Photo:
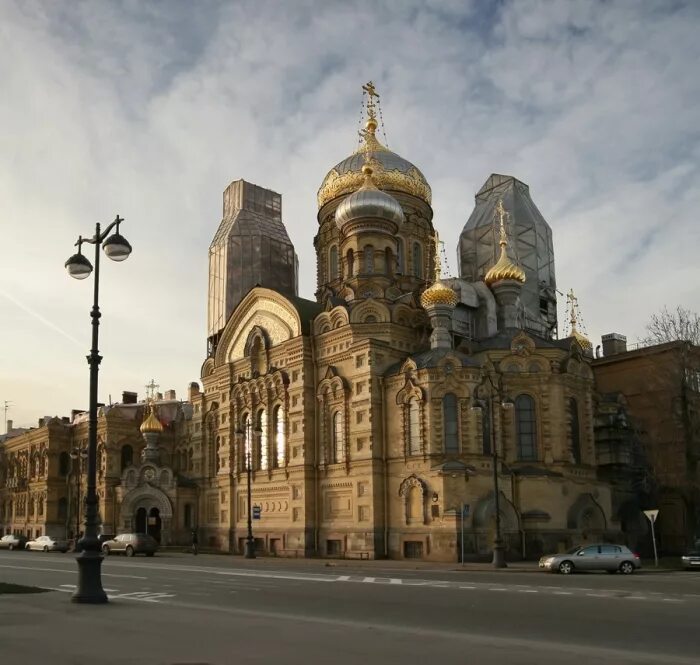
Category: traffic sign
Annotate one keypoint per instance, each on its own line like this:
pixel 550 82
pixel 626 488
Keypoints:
pixel 256 512
pixel 651 515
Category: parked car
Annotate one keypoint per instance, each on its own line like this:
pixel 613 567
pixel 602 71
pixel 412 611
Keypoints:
pixel 604 556
pixel 12 542
pixel 47 544
pixel 691 560
pixel 130 544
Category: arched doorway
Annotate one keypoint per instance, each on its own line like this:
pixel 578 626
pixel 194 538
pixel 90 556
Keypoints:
pixel 154 523
pixel 140 520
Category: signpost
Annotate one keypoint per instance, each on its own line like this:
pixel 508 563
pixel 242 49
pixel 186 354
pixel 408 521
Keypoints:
pixel 256 512
pixel 651 516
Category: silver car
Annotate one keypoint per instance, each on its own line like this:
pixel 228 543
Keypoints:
pixel 604 556
pixel 691 560
pixel 47 544
pixel 12 542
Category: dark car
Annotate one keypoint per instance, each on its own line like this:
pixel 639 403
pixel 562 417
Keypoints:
pixel 691 560
pixel 131 544
pixel 12 542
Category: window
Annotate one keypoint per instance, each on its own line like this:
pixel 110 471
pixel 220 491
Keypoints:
pixel 413 426
pixel 350 262
pixel 388 262
pixel 338 447
pixel 525 427
pixel 399 256
pixel 247 448
pixel 610 549
pixel 62 508
pixel 575 431
pixel 278 454
pixel 63 464
pixel 333 263
pixel 263 458
pixel 417 261
pixel 127 456
pixel 449 423
pixel 369 259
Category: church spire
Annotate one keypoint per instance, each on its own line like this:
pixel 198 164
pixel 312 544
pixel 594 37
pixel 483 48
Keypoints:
pixel 504 267
pixel 574 317
pixel 371 106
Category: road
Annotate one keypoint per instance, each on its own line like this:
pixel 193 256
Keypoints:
pixel 178 608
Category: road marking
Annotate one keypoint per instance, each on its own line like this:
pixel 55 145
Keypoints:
pixel 70 571
pixel 498 589
pixel 528 591
pixel 369 580
pixel 563 593
pixel 467 587
pixel 344 578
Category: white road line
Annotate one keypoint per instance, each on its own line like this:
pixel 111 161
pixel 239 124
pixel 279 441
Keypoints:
pixel 369 580
pixel 528 591
pixel 344 578
pixel 497 589
pixel 563 593
pixel 467 587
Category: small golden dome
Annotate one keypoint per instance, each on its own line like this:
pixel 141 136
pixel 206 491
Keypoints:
pixel 438 294
pixel 583 341
pixel 151 425
pixel 572 304
pixel 504 267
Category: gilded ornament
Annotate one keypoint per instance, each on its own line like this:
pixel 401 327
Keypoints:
pixel 504 268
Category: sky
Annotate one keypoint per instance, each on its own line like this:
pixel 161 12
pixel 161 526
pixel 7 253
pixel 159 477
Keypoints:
pixel 150 109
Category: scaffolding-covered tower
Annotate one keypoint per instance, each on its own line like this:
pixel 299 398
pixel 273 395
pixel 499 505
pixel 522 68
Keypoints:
pixel 251 248
pixel 531 246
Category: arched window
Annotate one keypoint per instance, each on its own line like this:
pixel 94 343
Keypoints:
pixel 449 423
pixel 399 256
pixel 575 431
pixel 127 456
pixel 333 263
pixel 338 443
pixel 389 266
pixel 351 263
pixel 63 464
pixel 263 455
pixel 247 447
pixel 369 259
pixel 417 260
pixel 278 453
pixel 190 465
pixel 413 426
pixel 526 427
pixel 218 456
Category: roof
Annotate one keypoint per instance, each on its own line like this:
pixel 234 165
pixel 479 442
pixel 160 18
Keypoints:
pixel 432 358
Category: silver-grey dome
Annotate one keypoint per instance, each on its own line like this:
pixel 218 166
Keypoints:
pixel 369 203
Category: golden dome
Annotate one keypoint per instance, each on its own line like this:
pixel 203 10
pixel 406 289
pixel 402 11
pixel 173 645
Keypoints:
pixel 504 267
pixel 151 425
pixel 572 303
pixel 391 172
pixel 438 293
pixel 583 341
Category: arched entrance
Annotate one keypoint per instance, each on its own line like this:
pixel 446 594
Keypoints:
pixel 147 509
pixel 154 523
pixel 140 520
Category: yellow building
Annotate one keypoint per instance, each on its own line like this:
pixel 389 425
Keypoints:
pixel 376 420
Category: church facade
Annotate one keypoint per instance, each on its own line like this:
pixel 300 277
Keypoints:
pixel 398 414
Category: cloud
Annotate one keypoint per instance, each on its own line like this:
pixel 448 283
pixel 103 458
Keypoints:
pixel 151 109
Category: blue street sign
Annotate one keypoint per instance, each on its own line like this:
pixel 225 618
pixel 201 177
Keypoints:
pixel 465 510
pixel 256 512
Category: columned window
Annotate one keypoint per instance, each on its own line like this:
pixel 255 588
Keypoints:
pixel 413 426
pixel 248 447
pixel 127 456
pixel 575 431
pixel 526 427
pixel 399 256
pixel 351 263
pixel 262 452
pixel 338 443
pixel 449 423
pixel 279 448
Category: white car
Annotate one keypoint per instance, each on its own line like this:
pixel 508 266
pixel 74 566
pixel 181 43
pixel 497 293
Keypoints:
pixel 47 544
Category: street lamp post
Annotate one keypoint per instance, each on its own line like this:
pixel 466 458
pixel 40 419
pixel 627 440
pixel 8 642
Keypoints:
pixel 499 559
pixel 78 455
pixel 117 248
pixel 249 549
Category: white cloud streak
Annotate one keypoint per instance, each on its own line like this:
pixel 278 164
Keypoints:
pixel 151 109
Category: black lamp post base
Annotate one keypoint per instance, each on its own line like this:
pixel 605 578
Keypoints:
pixel 499 556
pixel 89 580
pixel 249 550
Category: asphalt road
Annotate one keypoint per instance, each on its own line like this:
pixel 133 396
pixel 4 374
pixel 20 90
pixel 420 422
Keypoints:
pixel 177 608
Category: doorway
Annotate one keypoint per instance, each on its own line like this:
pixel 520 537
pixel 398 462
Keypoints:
pixel 140 521
pixel 154 524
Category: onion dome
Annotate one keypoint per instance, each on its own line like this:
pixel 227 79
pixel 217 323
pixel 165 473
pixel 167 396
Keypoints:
pixel 583 341
pixel 504 267
pixel 369 202
pixel 392 172
pixel 438 293
pixel 151 425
